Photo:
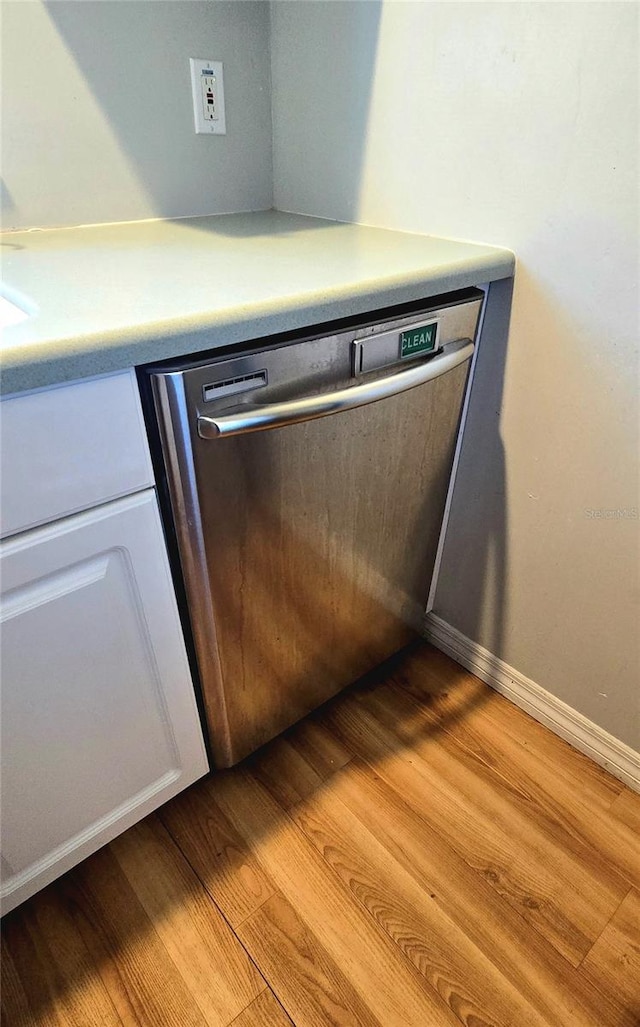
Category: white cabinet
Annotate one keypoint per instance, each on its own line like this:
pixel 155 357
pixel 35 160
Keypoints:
pixel 99 719
pixel 71 447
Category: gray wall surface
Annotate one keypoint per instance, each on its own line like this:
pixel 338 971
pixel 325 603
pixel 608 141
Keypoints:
pixel 512 124
pixel 97 119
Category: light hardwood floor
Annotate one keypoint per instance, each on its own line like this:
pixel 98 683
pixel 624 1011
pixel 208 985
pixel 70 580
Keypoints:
pixel 418 853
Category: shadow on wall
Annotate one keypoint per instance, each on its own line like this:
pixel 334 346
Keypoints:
pixel 134 58
pixel 6 199
pixel 114 138
pixel 335 151
pixel 118 49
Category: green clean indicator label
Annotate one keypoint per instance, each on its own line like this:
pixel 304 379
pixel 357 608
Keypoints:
pixel 419 340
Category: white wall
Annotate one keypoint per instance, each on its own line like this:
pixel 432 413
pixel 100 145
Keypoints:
pixel 514 124
pixel 97 121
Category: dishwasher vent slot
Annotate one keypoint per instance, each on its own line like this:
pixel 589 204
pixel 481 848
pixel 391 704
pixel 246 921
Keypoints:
pixel 232 386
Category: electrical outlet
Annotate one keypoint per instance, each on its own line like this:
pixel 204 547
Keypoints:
pixel 207 87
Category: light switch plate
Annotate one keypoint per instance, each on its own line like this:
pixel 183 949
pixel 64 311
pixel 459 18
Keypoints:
pixel 207 89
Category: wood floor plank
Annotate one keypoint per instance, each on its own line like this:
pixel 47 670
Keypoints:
pixel 213 965
pixel 626 810
pixel 557 890
pixel 320 748
pixel 546 981
pixel 215 850
pixel 614 961
pixel 536 781
pixel 418 852
pixel 430 675
pixel 14 1003
pixel 293 766
pixel 264 1011
pixel 130 957
pixel 460 972
pixel 308 983
pixel 284 772
pixel 48 975
pixel 392 989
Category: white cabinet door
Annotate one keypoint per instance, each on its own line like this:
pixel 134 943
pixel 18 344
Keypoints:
pixel 99 720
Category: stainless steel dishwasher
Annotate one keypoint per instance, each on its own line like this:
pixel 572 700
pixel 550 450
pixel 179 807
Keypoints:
pixel 306 484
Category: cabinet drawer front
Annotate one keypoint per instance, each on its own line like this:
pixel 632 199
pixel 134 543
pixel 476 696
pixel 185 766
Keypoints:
pixel 99 724
pixel 70 448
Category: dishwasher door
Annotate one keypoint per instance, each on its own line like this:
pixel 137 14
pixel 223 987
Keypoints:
pixel 307 550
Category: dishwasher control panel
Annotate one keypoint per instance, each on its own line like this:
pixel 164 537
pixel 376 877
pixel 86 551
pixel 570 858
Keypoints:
pixel 409 339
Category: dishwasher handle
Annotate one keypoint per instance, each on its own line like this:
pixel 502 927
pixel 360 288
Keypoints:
pixel 276 415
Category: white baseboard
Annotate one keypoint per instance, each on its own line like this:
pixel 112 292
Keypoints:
pixel 616 757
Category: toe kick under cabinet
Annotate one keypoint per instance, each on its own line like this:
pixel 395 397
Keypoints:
pixel 99 719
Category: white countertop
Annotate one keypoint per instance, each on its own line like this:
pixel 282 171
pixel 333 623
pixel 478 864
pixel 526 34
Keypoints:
pixel 106 297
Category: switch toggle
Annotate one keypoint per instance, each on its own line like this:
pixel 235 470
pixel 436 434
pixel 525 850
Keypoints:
pixel 208 96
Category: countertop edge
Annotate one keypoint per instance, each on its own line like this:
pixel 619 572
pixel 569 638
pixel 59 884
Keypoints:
pixel 55 362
